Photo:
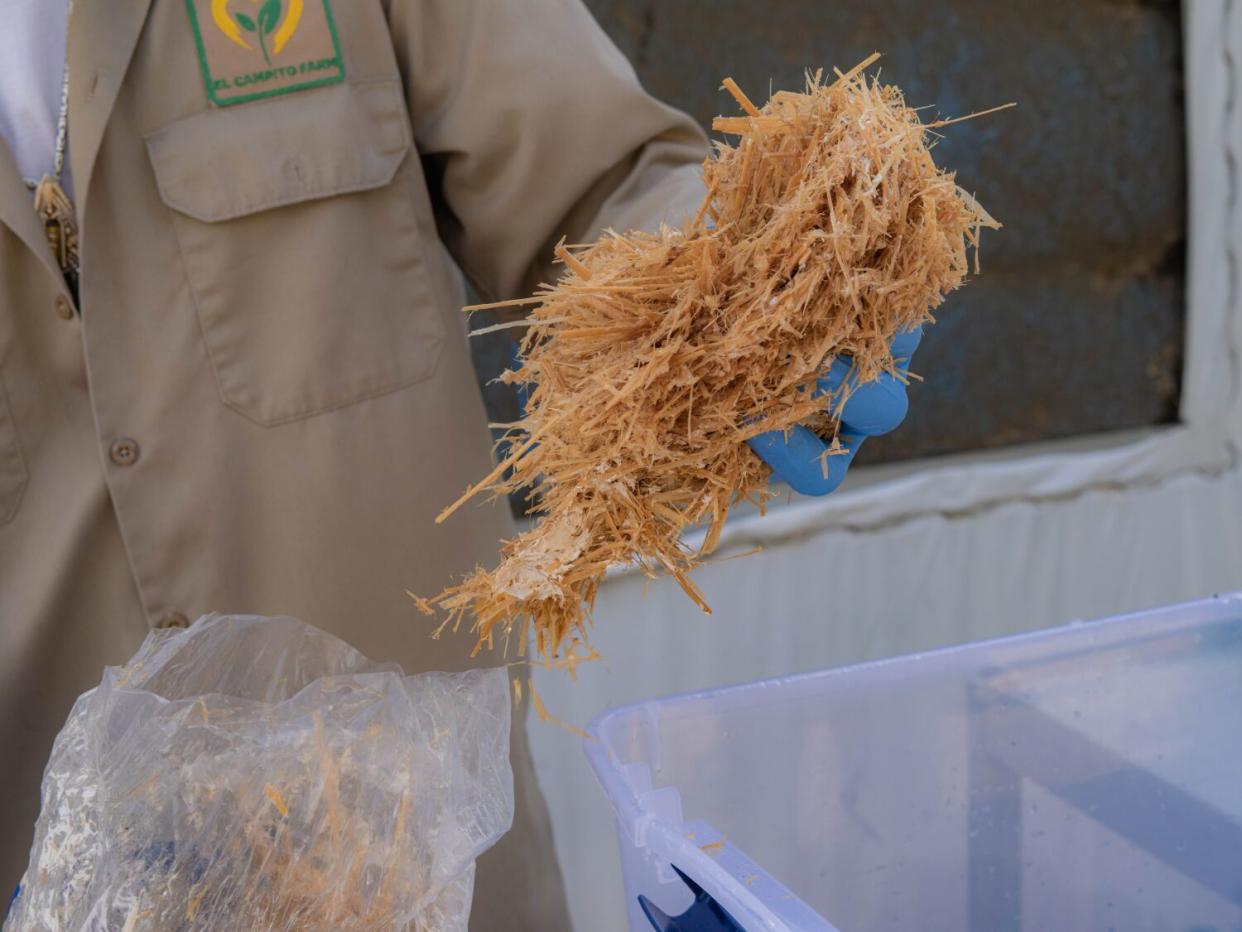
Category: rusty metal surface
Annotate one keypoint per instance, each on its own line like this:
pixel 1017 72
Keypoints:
pixel 1077 324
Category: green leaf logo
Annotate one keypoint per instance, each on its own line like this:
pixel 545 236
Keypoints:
pixel 269 16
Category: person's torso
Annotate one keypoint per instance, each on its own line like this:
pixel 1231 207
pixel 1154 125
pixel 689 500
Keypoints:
pixel 270 365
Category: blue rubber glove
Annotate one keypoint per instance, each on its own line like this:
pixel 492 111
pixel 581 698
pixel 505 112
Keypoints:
pixel 873 409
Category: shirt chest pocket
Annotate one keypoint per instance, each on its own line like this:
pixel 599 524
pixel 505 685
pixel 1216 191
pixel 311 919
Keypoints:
pixel 302 251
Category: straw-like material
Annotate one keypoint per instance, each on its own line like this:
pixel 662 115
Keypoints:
pixel 826 230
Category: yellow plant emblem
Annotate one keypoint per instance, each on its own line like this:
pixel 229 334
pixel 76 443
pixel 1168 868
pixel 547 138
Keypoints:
pixel 267 20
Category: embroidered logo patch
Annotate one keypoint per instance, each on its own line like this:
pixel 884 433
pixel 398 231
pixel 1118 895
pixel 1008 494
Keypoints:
pixel 251 49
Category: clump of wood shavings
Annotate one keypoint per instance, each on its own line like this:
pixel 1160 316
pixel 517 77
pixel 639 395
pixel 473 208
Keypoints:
pixel 826 230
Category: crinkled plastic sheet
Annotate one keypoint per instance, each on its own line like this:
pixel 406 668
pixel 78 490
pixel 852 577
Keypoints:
pixel 258 774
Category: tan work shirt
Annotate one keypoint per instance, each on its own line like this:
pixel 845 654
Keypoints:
pixel 267 395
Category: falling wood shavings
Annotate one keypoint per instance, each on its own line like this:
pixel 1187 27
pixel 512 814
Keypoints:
pixel 549 719
pixel 826 230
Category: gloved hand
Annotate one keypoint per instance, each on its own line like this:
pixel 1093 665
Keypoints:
pixel 873 409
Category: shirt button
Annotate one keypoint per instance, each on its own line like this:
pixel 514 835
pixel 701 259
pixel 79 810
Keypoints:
pixel 124 452
pixel 173 620
pixel 64 310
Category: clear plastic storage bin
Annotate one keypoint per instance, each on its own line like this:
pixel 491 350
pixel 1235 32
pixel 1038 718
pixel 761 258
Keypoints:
pixel 1082 778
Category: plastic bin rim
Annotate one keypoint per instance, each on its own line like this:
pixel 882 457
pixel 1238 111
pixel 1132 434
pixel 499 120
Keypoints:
pixel 616 787
pixel 1189 611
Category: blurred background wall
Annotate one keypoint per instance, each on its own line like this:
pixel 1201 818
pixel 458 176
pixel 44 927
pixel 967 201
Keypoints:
pixel 1072 340
pixel 1077 325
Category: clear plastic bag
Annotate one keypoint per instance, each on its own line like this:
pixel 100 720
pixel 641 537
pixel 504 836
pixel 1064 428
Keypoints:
pixel 258 774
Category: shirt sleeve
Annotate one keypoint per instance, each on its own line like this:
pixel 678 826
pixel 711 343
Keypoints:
pixel 533 125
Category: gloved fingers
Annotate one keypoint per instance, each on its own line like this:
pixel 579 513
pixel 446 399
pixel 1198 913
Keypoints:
pixel 801 459
pixel 879 406
pixel 902 348
pixel 904 345
pixel 851 443
pixel 876 408
pixel 873 409
pixel 831 382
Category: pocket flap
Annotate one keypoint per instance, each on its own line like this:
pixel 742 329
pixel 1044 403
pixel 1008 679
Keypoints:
pixel 226 163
